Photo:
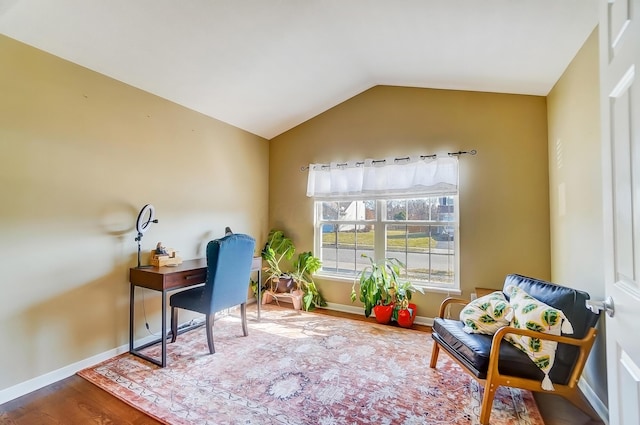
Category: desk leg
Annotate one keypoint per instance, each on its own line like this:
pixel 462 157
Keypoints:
pixel 164 328
pixel 259 292
pixel 136 350
pixel 132 291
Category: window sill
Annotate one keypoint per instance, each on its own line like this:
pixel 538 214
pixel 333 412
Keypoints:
pixel 440 289
pixel 424 288
pixel 335 278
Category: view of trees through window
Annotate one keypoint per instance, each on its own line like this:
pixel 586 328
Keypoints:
pixel 420 232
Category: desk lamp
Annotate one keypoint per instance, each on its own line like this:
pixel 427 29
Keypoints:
pixel 145 218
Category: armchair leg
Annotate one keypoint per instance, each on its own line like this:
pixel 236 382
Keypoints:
pixel 487 403
pixel 435 350
pixel 243 314
pixel 174 324
pixel 209 324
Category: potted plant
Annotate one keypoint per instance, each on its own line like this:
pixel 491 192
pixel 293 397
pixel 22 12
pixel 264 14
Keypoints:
pixel 381 291
pixel 305 266
pixel 406 314
pixel 404 311
pixel 277 249
pixel 296 279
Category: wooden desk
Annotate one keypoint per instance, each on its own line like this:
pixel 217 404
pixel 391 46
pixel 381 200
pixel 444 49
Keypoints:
pixel 166 279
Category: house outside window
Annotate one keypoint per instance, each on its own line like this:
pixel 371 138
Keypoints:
pixel 421 232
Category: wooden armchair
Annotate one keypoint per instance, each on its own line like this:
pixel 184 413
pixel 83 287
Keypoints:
pixel 494 361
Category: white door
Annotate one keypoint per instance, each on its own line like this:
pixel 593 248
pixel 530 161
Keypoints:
pixel 620 103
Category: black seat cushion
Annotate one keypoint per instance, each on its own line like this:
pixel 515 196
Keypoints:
pixel 473 351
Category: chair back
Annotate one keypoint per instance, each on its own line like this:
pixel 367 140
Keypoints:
pixel 572 302
pixel 228 271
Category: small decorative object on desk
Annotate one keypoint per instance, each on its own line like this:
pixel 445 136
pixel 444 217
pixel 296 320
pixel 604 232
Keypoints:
pixel 160 250
pixel 162 256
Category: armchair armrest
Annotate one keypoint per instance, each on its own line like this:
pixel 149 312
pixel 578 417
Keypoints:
pixel 450 300
pixel 500 334
pixel 584 345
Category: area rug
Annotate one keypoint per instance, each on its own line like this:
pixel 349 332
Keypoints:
pixel 305 368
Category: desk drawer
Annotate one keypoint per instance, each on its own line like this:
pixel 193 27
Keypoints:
pixel 185 278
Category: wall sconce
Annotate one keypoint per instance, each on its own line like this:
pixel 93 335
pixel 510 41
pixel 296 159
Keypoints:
pixel 145 218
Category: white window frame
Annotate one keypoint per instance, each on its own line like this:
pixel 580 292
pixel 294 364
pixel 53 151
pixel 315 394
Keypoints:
pixel 380 248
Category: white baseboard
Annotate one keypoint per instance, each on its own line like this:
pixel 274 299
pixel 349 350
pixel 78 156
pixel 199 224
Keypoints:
pixel 596 403
pixel 41 381
pixel 419 320
pixel 38 382
pixel 344 308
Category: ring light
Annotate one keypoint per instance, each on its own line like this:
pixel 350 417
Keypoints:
pixel 143 223
pixel 146 216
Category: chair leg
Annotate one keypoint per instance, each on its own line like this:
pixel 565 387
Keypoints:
pixel 487 402
pixel 209 324
pixel 243 314
pixel 174 324
pixel 435 350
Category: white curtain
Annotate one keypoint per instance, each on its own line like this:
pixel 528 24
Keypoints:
pixel 372 179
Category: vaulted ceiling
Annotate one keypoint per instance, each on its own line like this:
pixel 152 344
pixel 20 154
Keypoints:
pixel 268 65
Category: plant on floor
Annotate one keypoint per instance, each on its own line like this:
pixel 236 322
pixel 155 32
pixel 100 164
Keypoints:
pixel 304 267
pixel 278 253
pixel 277 250
pixel 380 289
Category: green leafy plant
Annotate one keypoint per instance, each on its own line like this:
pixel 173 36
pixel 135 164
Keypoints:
pixel 278 253
pixel 379 284
pixel 304 267
pixel 277 249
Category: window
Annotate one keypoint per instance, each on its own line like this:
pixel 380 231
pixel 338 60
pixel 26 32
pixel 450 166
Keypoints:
pixel 420 232
pixel 404 208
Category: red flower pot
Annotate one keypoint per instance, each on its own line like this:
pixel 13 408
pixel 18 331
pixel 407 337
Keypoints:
pixel 407 316
pixel 383 313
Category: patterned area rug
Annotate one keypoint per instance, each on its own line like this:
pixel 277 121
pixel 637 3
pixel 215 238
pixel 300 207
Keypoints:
pixel 305 368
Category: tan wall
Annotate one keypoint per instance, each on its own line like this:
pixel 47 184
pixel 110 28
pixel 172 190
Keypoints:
pixel 575 181
pixel 504 198
pixel 81 154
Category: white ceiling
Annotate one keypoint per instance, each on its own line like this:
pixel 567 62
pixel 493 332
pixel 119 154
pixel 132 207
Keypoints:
pixel 268 65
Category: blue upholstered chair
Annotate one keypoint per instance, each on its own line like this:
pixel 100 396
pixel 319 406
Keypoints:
pixel 228 268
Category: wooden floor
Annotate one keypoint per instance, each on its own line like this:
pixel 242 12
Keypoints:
pixel 76 401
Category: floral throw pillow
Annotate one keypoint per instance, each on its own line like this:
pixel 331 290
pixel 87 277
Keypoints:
pixel 529 313
pixel 485 315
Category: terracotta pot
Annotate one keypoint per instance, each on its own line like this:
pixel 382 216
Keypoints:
pixel 383 313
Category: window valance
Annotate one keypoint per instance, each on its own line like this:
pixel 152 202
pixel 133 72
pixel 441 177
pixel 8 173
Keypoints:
pixel 370 179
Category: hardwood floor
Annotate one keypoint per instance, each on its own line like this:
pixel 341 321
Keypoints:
pixel 72 401
pixel 75 401
pixel 558 411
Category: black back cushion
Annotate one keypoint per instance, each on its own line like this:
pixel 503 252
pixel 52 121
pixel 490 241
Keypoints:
pixel 571 301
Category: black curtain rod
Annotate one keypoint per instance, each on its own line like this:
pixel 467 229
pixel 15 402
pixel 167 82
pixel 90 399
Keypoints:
pixel 406 158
